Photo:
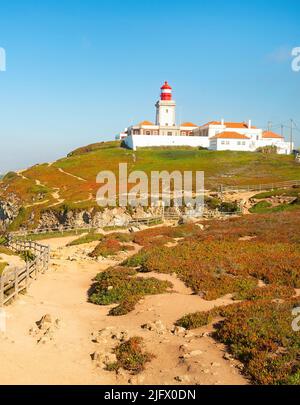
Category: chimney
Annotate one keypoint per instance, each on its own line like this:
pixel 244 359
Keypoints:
pixel 222 121
pixel 249 124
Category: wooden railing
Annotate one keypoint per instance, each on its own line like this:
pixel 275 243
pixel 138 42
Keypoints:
pixel 260 187
pixel 14 281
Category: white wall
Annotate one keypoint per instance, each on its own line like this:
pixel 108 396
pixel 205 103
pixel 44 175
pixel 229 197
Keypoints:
pixel 232 144
pixel 140 141
pixel 283 148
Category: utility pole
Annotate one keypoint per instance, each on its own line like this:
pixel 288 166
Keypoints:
pixel 282 130
pixel 291 135
pixel 269 126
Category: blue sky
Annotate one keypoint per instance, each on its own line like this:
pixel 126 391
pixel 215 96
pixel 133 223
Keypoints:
pixel 80 71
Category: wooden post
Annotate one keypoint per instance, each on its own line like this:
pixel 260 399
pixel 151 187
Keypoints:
pixel 16 282
pixel 1 290
pixel 27 275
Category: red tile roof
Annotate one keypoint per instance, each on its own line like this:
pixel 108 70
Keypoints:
pixel 229 124
pixel 270 134
pixel 188 124
pixel 230 135
pixel 146 123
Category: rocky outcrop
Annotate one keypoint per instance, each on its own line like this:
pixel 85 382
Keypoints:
pixel 9 210
pixel 97 219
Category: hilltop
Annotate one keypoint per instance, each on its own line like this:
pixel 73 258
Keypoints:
pixel 70 182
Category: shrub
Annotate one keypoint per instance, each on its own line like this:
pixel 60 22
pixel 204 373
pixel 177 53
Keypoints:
pixel 260 335
pixel 131 356
pixel 196 320
pixel 260 207
pixel 109 247
pixel 27 256
pixel 118 285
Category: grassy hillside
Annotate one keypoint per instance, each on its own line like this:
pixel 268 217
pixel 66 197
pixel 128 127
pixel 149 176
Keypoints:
pixel 71 181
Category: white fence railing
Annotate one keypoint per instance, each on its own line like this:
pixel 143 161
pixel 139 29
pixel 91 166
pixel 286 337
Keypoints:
pixel 14 281
pixel 260 187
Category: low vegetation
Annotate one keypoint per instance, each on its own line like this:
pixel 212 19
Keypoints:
pixel 2 266
pixel 57 190
pixel 131 356
pixel 109 246
pixel 121 286
pixel 255 258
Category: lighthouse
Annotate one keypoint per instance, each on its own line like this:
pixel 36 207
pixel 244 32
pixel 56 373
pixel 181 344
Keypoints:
pixel 166 108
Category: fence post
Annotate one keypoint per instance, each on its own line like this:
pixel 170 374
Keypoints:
pixel 27 275
pixel 16 282
pixel 1 290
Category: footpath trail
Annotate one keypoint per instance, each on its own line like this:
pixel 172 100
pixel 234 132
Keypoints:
pixel 66 357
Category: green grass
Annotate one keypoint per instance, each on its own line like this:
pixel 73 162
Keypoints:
pixel 52 235
pixel 90 237
pixel 285 192
pixel 224 167
pixel 264 207
pixel 2 266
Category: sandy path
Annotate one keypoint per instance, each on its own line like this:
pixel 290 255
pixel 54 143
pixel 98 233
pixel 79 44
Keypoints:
pixel 62 292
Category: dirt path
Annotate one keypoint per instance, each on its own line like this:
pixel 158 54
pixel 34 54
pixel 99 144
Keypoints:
pixel 62 293
pixel 70 174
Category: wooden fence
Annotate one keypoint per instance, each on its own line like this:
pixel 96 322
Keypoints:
pixel 260 187
pixel 14 281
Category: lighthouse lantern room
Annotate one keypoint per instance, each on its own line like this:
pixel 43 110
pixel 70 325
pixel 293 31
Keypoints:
pixel 166 108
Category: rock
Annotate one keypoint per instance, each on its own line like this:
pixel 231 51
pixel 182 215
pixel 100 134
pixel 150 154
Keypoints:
pixel 195 353
pixel 227 356
pixel 134 229
pixel 179 331
pixel 215 364
pixel 45 322
pixel 183 378
pixel 121 336
pixel 156 326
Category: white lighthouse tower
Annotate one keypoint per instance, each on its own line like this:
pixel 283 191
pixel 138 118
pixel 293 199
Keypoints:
pixel 166 108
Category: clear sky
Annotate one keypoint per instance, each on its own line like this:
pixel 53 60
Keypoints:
pixel 80 71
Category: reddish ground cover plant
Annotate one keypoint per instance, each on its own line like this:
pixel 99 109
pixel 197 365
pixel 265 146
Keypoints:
pixel 259 334
pixel 257 259
pixel 109 247
pixel 131 356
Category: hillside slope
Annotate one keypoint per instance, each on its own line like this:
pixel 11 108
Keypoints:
pixel 71 181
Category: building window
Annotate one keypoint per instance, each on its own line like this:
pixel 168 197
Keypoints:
pixel 227 142
pixel 243 143
pixel 167 110
pixel 167 124
pixel 222 142
pixel 155 132
pixel 169 133
pixel 148 133
pixel 239 142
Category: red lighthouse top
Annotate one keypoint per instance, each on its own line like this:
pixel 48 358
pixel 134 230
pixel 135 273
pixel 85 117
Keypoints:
pixel 166 92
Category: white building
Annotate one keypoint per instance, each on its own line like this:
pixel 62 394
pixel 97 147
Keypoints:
pixel 215 135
